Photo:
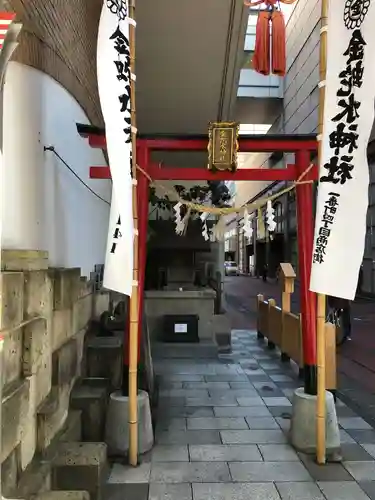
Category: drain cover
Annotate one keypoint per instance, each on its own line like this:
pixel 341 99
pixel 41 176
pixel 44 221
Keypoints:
pixel 267 388
pixel 286 416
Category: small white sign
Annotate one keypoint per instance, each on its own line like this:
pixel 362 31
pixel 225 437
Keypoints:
pixel 180 328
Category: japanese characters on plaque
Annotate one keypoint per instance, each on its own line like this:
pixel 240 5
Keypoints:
pixel 115 85
pixel 222 145
pixel 348 118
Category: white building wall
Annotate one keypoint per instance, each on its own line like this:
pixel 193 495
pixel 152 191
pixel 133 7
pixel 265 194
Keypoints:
pixel 44 206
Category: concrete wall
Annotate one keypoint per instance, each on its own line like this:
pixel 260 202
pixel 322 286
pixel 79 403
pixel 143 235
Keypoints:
pixel 44 207
pixel 44 317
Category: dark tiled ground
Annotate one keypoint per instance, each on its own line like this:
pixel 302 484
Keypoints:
pixel 221 434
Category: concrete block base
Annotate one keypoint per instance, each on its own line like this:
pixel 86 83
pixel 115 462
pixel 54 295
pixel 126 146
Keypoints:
pixel 117 428
pixel 81 467
pixel 303 423
pixel 90 397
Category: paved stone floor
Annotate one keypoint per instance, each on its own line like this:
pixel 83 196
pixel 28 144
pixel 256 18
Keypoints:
pixel 222 434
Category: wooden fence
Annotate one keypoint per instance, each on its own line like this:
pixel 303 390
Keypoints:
pixel 283 329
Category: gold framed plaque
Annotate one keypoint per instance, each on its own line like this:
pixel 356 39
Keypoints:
pixel 223 145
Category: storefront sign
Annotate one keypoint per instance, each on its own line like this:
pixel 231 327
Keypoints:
pixel 340 225
pixel 223 146
pixel 114 78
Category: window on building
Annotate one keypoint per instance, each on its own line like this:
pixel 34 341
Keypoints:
pixel 247 62
pixel 253 17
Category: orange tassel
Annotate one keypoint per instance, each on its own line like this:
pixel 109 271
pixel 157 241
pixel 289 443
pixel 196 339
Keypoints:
pixel 278 44
pixel 261 59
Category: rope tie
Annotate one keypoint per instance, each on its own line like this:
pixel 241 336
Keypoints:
pixel 196 207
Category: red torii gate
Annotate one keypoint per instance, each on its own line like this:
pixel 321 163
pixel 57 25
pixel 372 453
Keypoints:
pixel 301 145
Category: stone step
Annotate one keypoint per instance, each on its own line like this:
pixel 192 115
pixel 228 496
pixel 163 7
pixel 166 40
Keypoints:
pixel 62 495
pixel 81 467
pixel 90 396
pixel 104 358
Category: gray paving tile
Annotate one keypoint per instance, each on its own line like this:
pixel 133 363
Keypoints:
pixel 361 471
pixel 356 423
pixel 165 384
pixel 185 393
pixel 342 491
pixel 209 401
pixel 239 491
pixel 171 401
pixel 269 472
pixel 249 364
pixel 330 471
pixel 344 411
pixel 271 401
pixel 280 378
pixel 241 385
pixel 263 356
pixel 236 393
pixel 186 378
pixel 370 449
pixel 284 423
pixel 362 436
pixel 242 411
pixel 224 370
pixel 263 386
pixel 182 411
pixel 270 365
pixel 207 385
pixel 259 378
pixel 288 392
pixel 127 490
pixel 183 472
pixel 299 491
pixel 253 437
pixel 169 492
pixel 356 453
pixel 126 474
pixel 174 423
pixel 278 453
pixel 226 378
pixel 255 400
pixel 345 438
pixel 281 411
pixel 253 373
pixel 217 423
pixel 225 453
pixel 170 453
pixel 369 488
pixel 260 423
pixel 188 437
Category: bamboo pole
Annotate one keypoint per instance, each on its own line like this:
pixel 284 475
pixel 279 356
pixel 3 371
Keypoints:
pixel 133 334
pixel 321 306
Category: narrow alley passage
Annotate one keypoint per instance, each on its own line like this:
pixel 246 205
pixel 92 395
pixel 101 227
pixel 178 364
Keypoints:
pixel 222 433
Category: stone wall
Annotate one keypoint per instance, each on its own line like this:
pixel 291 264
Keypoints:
pixel 44 314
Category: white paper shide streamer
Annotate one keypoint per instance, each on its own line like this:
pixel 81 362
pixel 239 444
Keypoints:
pixel 247 225
pixel 113 69
pixel 204 216
pixel 340 225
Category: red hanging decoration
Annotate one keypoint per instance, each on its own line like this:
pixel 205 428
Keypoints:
pixel 278 43
pixel 261 58
pixel 270 57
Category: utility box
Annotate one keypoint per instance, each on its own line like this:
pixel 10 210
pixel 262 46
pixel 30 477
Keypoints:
pixel 181 328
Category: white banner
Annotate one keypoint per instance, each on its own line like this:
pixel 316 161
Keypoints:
pixel 114 76
pixel 340 224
